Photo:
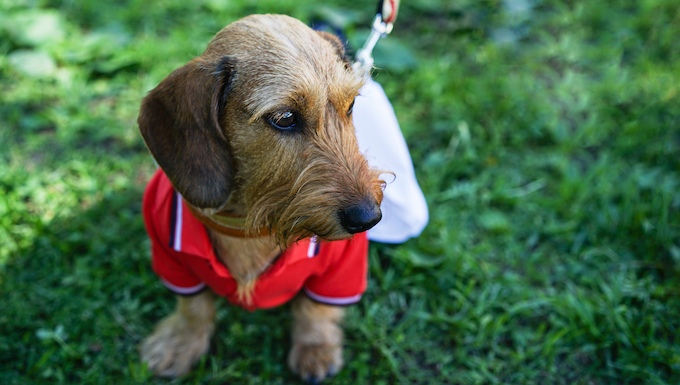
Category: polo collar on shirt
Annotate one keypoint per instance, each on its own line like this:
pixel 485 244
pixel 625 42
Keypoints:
pixel 188 235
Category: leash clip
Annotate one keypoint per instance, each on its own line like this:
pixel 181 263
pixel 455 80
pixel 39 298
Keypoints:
pixel 364 59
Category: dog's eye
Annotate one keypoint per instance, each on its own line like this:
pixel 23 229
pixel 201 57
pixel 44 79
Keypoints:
pixel 351 108
pixel 284 120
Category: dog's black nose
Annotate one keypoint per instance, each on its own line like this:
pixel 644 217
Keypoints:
pixel 360 217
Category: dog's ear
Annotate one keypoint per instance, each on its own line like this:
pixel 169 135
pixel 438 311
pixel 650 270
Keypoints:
pixel 337 45
pixel 180 123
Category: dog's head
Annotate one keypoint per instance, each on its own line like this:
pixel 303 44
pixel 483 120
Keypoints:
pixel 263 120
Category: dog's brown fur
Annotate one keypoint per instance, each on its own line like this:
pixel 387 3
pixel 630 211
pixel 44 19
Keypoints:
pixel 207 127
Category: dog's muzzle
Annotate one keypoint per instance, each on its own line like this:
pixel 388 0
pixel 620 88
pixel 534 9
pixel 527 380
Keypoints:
pixel 360 217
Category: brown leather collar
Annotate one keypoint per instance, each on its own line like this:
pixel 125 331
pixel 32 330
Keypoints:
pixel 228 224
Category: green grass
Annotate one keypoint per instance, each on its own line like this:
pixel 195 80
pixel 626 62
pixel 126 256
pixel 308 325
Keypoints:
pixel 547 142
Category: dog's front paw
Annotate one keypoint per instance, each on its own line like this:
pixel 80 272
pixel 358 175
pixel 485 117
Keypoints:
pixel 314 362
pixel 174 346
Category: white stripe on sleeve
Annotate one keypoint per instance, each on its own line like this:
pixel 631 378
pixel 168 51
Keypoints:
pixel 183 290
pixel 333 300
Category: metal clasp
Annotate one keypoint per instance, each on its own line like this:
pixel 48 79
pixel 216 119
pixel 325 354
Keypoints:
pixel 364 58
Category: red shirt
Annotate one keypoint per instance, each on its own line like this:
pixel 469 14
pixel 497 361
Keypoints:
pixel 182 255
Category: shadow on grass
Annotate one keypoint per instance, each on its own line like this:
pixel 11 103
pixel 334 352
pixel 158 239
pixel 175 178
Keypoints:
pixel 78 301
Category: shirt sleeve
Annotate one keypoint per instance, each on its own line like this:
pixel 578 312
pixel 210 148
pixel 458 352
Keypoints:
pixel 344 279
pixel 172 273
pixel 160 218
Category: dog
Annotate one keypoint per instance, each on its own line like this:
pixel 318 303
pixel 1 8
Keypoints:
pixel 262 195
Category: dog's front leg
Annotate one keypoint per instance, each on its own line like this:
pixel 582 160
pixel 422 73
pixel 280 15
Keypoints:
pixel 317 339
pixel 181 338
